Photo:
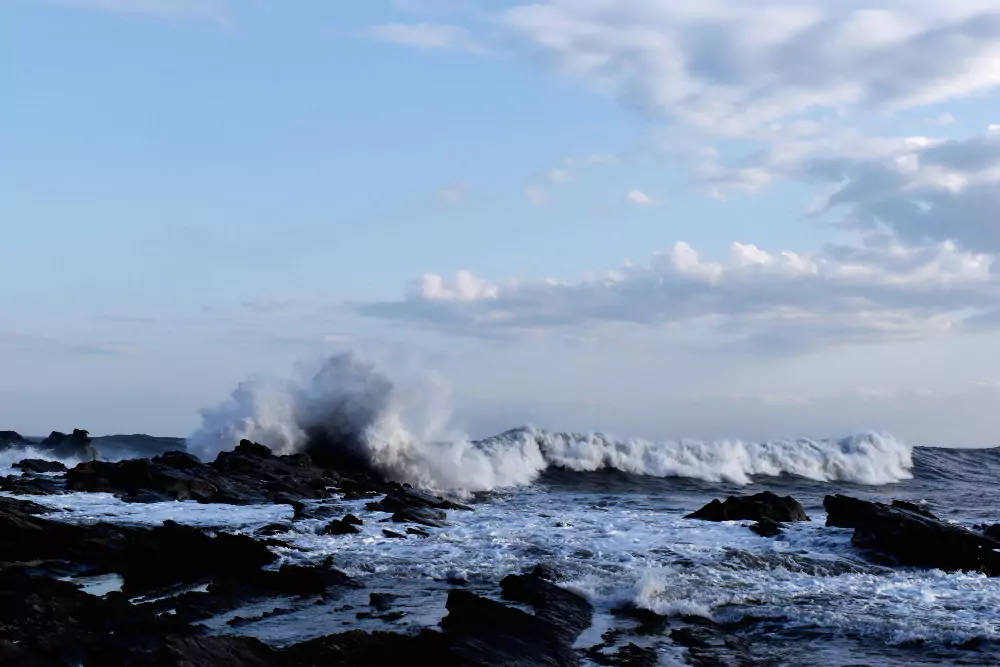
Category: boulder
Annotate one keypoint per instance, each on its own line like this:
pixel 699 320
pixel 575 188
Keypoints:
pixel 767 528
pixel 392 535
pixel 340 527
pixel 567 613
pixel 901 536
pixel 40 466
pixel 764 505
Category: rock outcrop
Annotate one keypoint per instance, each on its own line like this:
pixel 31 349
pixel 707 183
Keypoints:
pixel 899 535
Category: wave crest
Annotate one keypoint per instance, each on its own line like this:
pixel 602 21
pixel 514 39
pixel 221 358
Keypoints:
pixel 349 414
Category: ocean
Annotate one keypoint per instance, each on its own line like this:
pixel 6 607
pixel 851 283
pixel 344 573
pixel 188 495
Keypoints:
pixel 608 514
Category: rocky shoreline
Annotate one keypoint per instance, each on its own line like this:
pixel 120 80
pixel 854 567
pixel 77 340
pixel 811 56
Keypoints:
pixel 173 577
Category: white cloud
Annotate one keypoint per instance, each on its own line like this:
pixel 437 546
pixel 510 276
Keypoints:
pixel 639 197
pixel 426 35
pixel 559 176
pixel 731 67
pixel 205 10
pixel 773 302
pixel 452 194
pixel 535 195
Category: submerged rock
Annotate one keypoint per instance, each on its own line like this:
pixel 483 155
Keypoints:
pixel 340 527
pixel 765 505
pixel 902 536
pixel 767 528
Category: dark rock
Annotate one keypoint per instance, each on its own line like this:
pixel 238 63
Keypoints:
pixel 407 498
pixel 629 655
pixel 567 613
pixel 274 529
pixel 75 445
pixel 40 465
pixel 249 474
pixel 419 532
pixel 767 528
pixel 377 649
pixel 913 507
pixel 484 632
pixel 340 527
pixel 174 554
pixel 650 623
pixel 32 485
pixel 381 601
pixel 8 438
pixel 298 580
pixel 992 531
pixel 904 537
pixel 764 505
pixel 424 516
pixel 396 536
pixel 353 520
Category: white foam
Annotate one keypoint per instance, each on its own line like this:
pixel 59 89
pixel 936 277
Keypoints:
pixel 12 455
pixel 403 432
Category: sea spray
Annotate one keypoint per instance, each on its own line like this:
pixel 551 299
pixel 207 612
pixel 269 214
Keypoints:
pixel 348 413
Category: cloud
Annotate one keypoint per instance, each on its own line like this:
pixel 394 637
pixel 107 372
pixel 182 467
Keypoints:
pixel 107 349
pixel 731 68
pixel 769 302
pixel 452 194
pixel 426 36
pixel 535 195
pixel 558 176
pixel 639 197
pixel 203 10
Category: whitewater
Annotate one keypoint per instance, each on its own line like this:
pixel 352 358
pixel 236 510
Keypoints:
pixel 608 513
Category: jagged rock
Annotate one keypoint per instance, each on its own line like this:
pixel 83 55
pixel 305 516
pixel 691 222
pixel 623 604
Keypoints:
pixel 905 537
pixel 392 535
pixel 353 520
pixel 249 474
pixel 483 632
pixel 764 505
pixel 340 527
pixel 629 655
pixel 377 649
pixel 75 445
pixel 767 528
pixel 567 613
pixel 419 532
pixel 40 465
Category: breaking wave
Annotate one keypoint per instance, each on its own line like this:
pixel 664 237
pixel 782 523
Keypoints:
pixel 348 413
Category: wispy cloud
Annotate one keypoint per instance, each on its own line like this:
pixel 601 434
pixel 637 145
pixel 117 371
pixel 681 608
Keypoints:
pixel 426 36
pixel 536 195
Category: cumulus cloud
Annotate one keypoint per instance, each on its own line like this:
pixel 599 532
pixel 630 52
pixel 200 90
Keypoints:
pixel 878 290
pixel 731 67
pixel 206 10
pixel 639 197
pixel 559 176
pixel 426 35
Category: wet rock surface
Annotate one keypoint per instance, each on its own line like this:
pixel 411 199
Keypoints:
pixel 901 535
pixel 762 506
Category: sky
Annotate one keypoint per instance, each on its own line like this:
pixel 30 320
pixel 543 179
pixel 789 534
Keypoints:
pixel 725 219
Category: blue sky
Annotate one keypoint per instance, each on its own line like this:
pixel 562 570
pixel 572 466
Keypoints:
pixel 196 191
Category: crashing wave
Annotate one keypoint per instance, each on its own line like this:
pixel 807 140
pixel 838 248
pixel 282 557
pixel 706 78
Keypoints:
pixel 350 414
